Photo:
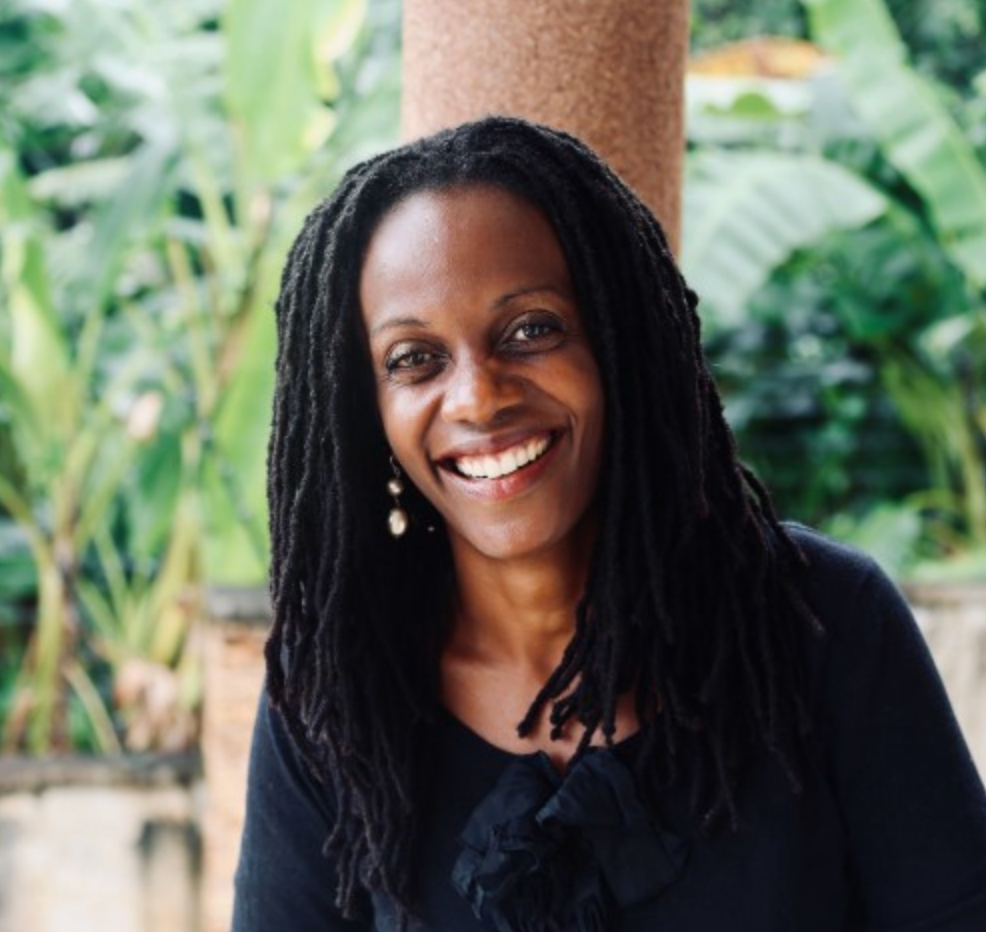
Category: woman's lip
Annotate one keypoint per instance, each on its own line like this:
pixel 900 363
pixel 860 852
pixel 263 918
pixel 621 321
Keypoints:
pixel 508 486
pixel 496 446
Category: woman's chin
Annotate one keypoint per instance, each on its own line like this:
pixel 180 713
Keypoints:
pixel 522 540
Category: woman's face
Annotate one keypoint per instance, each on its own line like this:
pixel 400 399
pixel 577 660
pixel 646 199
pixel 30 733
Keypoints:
pixel 489 391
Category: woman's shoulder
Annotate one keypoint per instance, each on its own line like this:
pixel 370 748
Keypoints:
pixel 829 560
pixel 845 588
pixel 872 684
pixel 870 651
pixel 890 747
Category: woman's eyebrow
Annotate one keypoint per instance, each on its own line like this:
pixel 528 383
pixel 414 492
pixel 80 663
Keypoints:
pixel 398 322
pixel 520 292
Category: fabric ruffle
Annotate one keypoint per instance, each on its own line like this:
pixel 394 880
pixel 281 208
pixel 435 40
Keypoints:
pixel 542 853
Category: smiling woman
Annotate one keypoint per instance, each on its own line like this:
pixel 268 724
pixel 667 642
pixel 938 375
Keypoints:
pixel 482 362
pixel 543 658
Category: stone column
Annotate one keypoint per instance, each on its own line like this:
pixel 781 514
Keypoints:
pixel 609 71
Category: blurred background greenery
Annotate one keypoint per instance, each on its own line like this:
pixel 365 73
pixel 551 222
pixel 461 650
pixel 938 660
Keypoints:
pixel 156 159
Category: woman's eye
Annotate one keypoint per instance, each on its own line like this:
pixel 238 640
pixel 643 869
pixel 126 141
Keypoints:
pixel 538 330
pixel 532 331
pixel 410 360
pixel 407 360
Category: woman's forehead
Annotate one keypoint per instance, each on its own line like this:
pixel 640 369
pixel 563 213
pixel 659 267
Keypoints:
pixel 475 227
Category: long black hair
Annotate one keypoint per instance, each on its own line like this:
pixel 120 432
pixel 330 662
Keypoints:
pixel 690 599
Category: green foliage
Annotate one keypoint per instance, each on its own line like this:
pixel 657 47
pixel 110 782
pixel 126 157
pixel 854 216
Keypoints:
pixel 154 162
pixel 716 22
pixel 915 131
pixel 804 393
pixel 748 211
pixel 855 310
pixel 946 38
pixel 935 372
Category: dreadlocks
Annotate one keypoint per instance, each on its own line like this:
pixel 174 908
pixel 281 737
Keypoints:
pixel 690 599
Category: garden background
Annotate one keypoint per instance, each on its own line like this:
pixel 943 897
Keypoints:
pixel 156 160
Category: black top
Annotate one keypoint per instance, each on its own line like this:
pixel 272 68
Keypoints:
pixel 889 833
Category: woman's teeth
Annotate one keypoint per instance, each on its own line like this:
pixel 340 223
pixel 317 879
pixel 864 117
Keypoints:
pixel 502 464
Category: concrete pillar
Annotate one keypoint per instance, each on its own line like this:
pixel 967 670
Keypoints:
pixel 609 71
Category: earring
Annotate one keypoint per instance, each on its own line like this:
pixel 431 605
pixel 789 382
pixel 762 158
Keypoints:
pixel 397 521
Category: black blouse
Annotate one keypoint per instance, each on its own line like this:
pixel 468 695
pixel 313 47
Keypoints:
pixel 889 832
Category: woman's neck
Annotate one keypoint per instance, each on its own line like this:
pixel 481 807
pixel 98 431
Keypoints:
pixel 511 623
pixel 518 612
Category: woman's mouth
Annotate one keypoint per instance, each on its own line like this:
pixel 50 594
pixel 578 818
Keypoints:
pixel 505 462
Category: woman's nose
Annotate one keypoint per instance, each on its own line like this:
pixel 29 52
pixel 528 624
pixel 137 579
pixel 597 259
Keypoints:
pixel 479 391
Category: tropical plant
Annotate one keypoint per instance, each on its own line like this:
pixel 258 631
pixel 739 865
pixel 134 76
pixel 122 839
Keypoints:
pixel 890 266
pixel 936 374
pixel 138 342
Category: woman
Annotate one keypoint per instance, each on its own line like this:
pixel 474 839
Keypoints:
pixel 543 658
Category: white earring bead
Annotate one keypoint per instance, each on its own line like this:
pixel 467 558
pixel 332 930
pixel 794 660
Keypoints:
pixel 397 522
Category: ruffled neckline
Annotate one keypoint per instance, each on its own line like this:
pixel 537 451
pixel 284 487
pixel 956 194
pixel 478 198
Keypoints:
pixel 544 852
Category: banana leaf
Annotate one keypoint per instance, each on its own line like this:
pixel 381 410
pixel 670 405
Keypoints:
pixel 746 212
pixel 915 130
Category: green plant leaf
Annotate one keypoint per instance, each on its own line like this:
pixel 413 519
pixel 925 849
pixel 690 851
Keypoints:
pixel 26 426
pixel 18 574
pixel 916 132
pixel 151 503
pixel 339 24
pixel 272 98
pixel 80 182
pixel 236 546
pixel 138 203
pixel 38 356
pixel 746 212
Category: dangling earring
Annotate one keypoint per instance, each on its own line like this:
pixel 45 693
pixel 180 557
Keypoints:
pixel 397 517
